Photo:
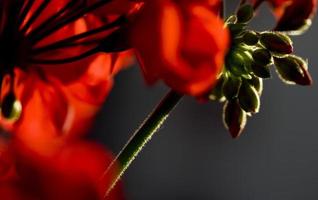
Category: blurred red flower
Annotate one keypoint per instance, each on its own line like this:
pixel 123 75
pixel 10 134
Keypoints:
pixel 182 43
pixel 72 172
pixel 51 62
pixel 292 15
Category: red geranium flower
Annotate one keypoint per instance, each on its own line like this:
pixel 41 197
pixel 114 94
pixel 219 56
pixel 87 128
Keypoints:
pixel 50 63
pixel 182 43
pixel 292 15
pixel 72 172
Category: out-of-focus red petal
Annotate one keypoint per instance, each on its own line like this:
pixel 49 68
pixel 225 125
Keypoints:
pixel 122 60
pixel 63 99
pixel 63 108
pixel 74 171
pixel 11 191
pixel 7 171
pixel 88 80
pixel 213 5
pixel 116 8
pixel 184 45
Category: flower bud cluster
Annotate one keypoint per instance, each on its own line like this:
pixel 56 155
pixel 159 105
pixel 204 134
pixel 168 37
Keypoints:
pixel 248 62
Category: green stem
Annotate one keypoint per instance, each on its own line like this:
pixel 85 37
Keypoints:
pixel 142 135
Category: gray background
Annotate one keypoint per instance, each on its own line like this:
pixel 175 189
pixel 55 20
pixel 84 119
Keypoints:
pixel 193 156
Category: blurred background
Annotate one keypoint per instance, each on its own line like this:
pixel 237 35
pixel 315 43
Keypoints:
pixel 194 157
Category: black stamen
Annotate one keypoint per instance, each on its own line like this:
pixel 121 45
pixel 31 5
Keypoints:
pixel 25 11
pixel 65 60
pixel 35 15
pixel 71 40
pixel 68 19
pixel 54 18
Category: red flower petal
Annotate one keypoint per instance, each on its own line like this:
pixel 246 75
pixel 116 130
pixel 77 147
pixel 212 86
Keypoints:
pixel 71 172
pixel 184 45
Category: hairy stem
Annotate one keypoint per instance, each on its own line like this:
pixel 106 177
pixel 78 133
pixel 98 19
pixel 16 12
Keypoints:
pixel 140 138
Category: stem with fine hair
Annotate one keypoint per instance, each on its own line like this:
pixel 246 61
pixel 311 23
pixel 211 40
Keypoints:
pixel 141 136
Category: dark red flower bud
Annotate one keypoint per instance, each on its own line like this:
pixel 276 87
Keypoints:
pixel 234 118
pixel 257 83
pixel 245 13
pixel 293 70
pixel 249 98
pixel 261 70
pixel 277 42
pixel 236 29
pixel 250 38
pixel 262 56
pixel 231 87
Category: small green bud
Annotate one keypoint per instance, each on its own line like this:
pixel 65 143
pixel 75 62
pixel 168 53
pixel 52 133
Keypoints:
pixel 217 93
pixel 275 42
pixel 245 13
pixel 261 70
pixel 234 118
pixel 262 56
pixel 247 57
pixel 11 108
pixel 293 70
pixel 257 83
pixel 236 29
pixel 249 98
pixel 231 87
pixel 235 63
pixel 250 38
